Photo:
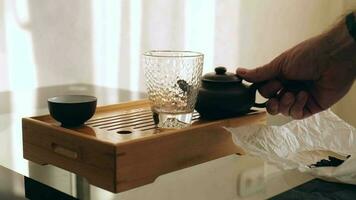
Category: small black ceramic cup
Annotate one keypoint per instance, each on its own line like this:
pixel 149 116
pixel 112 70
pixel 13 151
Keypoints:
pixel 72 110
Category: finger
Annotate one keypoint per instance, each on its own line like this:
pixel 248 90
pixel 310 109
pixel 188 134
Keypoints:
pixel 286 102
pixel 297 110
pixel 270 89
pixel 312 106
pixel 263 73
pixel 272 106
pixel 306 113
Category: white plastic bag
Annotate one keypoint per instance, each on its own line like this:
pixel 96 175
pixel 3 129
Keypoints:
pixel 300 143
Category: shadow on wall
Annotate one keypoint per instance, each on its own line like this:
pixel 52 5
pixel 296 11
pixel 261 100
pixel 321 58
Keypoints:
pixel 61 38
pixel 269 28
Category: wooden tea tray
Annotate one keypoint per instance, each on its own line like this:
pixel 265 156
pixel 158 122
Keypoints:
pixel 120 148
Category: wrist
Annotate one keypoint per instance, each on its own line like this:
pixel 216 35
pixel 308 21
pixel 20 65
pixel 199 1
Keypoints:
pixel 341 46
pixel 339 37
pixel 351 25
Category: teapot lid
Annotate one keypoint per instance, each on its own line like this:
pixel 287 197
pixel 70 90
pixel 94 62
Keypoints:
pixel 220 75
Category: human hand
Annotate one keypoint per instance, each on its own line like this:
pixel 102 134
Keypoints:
pixel 323 68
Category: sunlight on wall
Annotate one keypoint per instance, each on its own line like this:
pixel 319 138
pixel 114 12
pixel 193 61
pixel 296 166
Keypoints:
pixel 21 11
pixel 20 109
pixel 135 42
pixel 200 29
pixel 21 74
pixel 19 49
pixel 106 41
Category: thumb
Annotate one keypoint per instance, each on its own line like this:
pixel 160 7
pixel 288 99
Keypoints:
pixel 263 73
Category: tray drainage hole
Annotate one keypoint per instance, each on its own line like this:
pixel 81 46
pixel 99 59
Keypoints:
pixel 124 132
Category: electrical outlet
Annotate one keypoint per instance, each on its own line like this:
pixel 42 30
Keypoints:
pixel 251 181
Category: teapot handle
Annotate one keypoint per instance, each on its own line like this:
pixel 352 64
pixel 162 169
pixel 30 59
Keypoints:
pixel 291 86
pixel 254 87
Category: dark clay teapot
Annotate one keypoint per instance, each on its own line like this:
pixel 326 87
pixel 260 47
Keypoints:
pixel 223 94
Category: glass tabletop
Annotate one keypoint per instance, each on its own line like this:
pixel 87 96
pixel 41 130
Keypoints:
pixel 215 179
pixel 16 105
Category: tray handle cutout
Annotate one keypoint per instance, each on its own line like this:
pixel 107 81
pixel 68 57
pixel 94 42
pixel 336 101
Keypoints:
pixel 63 151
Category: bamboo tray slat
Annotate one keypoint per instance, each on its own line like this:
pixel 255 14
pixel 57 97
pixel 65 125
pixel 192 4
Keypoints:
pixel 120 148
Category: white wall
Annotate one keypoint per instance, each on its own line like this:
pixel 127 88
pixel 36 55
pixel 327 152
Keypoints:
pixel 100 42
pixel 61 41
pixel 44 43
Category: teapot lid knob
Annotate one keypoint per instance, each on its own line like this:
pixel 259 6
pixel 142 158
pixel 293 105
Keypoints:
pixel 220 70
pixel 221 75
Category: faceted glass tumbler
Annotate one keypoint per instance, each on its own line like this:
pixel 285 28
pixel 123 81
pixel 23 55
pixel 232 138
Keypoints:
pixel 172 80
